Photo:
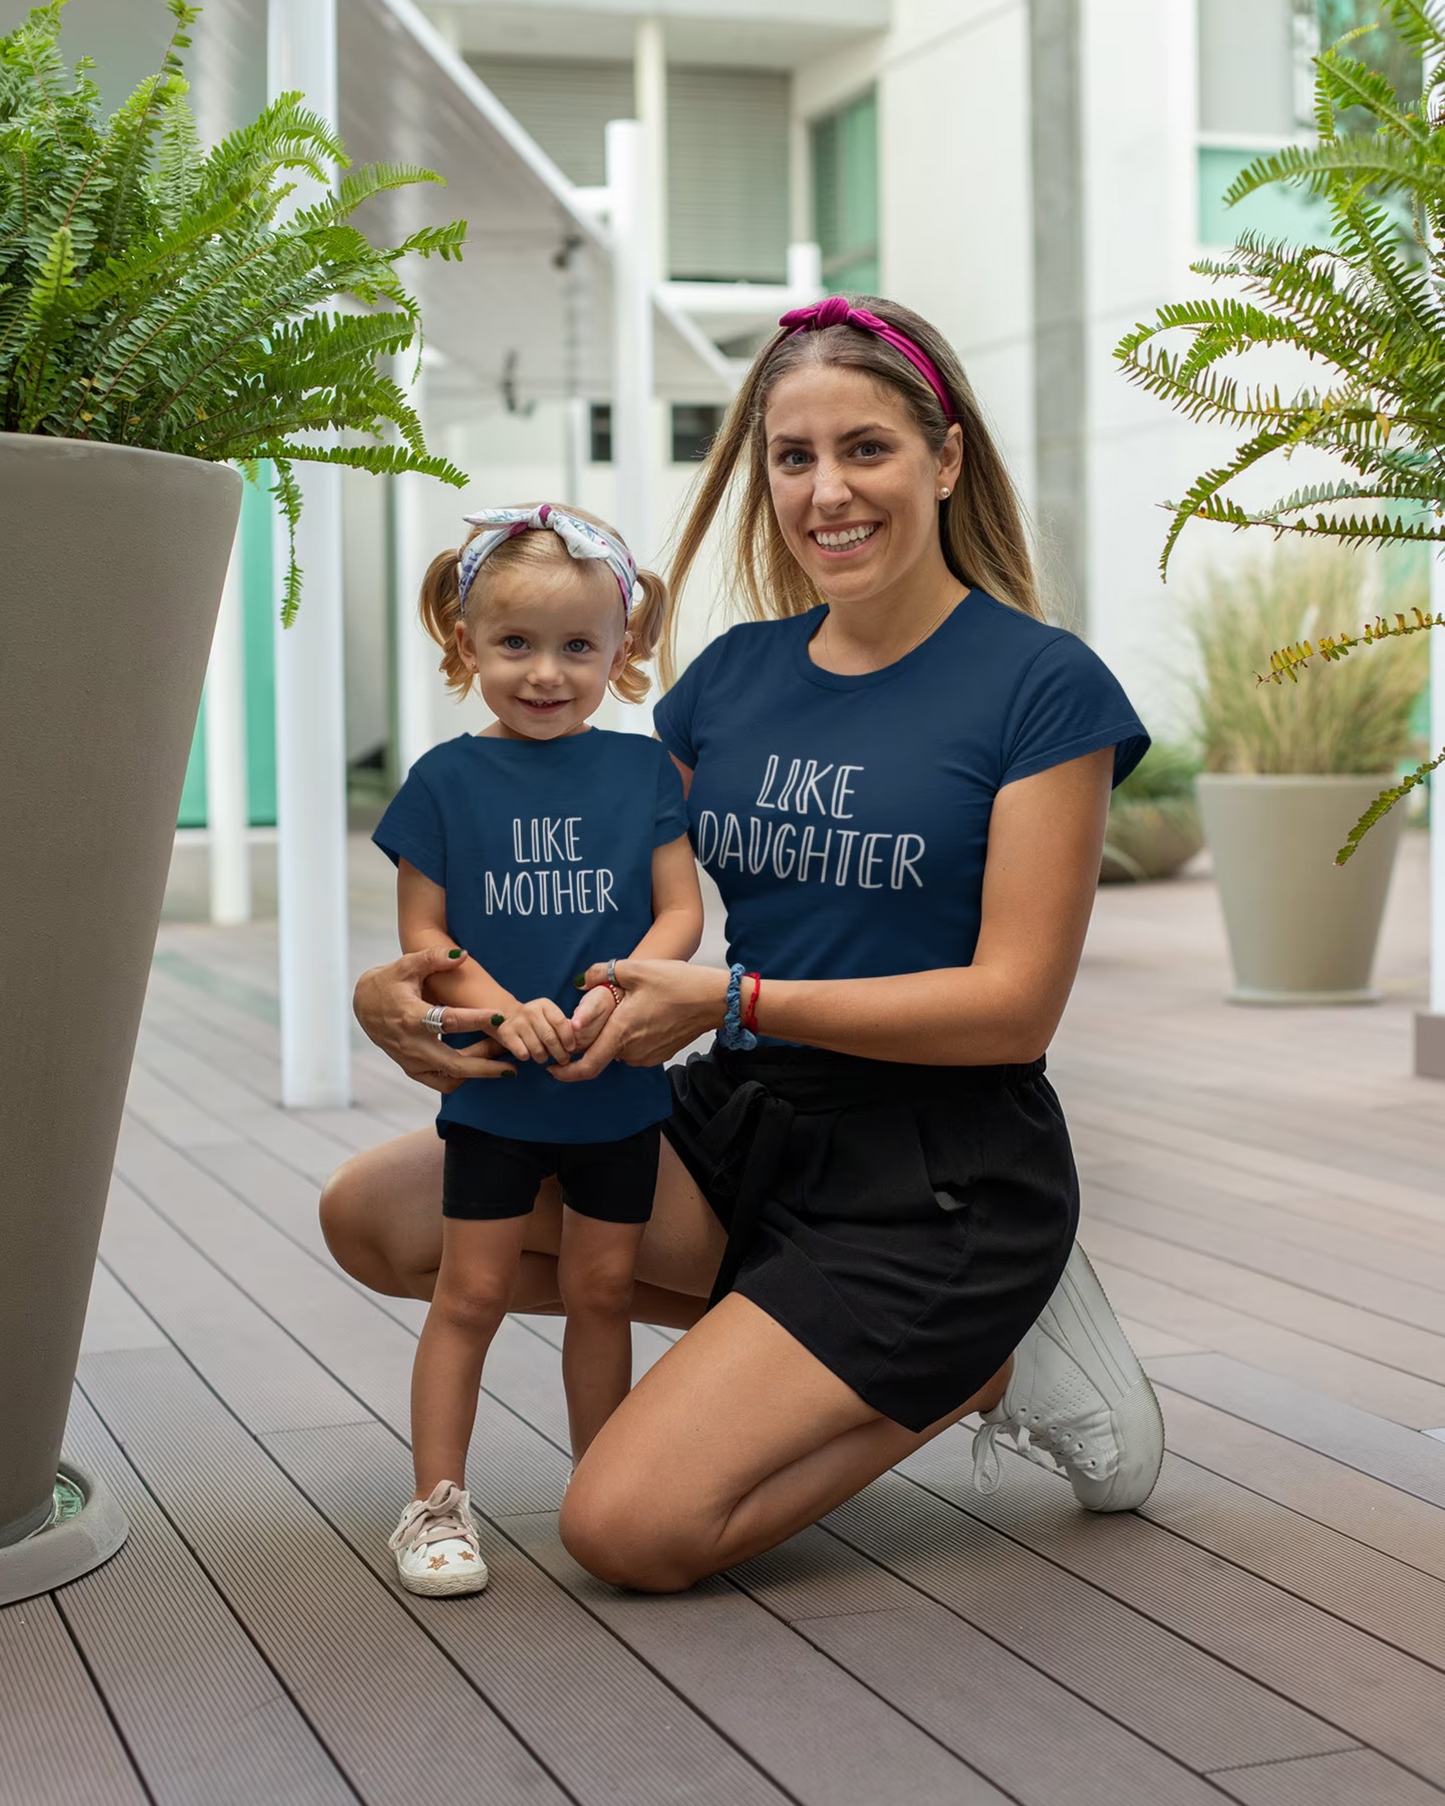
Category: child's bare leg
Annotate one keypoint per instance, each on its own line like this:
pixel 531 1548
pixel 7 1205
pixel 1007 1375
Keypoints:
pixel 474 1289
pixel 594 1275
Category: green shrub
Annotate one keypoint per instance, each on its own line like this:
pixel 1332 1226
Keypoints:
pixel 1166 771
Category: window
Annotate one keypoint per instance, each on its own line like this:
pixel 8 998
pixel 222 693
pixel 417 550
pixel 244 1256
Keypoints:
pixel 694 427
pixel 599 432
pixel 845 195
pixel 1256 91
pixel 727 149
pixel 564 105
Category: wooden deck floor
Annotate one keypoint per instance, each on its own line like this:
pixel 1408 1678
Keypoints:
pixel 1265 1201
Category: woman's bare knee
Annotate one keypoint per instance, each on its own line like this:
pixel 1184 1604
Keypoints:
pixel 381 1215
pixel 615 1534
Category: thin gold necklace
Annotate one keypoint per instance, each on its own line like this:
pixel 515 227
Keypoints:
pixel 932 626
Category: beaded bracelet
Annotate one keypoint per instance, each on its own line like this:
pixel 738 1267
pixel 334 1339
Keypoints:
pixel 732 1034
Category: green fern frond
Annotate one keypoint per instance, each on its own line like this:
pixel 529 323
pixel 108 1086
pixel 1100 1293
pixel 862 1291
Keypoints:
pixel 1383 804
pixel 1287 662
pixel 153 296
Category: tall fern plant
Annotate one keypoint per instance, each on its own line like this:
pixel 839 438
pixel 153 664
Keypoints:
pixel 1368 308
pixel 154 296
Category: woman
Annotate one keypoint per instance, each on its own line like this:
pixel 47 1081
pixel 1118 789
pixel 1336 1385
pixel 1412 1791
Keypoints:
pixel 898 775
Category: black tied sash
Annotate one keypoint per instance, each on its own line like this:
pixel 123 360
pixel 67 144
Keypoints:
pixel 758 1119
pixel 733 1116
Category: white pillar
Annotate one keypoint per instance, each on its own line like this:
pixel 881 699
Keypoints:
pixel 632 451
pixel 310 696
pixel 631 334
pixel 1430 1023
pixel 649 80
pixel 415 651
pixel 1437 794
pixel 805 268
pixel 227 809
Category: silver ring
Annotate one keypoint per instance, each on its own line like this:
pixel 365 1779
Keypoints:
pixel 433 1020
pixel 612 973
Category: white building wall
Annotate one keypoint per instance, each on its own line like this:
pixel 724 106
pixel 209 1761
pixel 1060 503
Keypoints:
pixel 1140 130
pixel 954 197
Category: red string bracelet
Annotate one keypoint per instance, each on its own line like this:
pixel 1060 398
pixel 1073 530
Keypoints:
pixel 750 1015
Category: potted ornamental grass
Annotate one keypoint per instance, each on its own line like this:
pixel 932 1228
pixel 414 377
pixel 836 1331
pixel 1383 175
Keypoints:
pixel 169 321
pixel 1286 771
pixel 1153 826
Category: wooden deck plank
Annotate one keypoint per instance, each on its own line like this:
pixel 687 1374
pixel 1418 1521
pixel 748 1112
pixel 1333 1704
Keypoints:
pixel 607 1726
pixel 114 1320
pixel 960 1684
pixel 1354 1778
pixel 1158 1127
pixel 1365 1688
pixel 399 1719
pixel 1359 1439
pixel 1391 1343
pixel 1301 1263
pixel 1394 1602
pixel 260 1370
pixel 1172 1694
pixel 826 1739
pixel 60 1745
pixel 1385 1241
pixel 1360 1507
pixel 1352 1378
pixel 203 1715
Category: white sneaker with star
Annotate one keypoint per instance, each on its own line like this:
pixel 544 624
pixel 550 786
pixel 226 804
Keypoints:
pixel 1078 1402
pixel 436 1545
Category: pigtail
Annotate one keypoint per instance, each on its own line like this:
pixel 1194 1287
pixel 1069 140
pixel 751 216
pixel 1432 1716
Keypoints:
pixel 441 609
pixel 649 621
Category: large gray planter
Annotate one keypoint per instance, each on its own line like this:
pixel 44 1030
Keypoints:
pixel 1301 929
pixel 111 572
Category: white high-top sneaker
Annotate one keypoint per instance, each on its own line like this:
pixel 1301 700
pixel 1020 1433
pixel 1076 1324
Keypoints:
pixel 1078 1402
pixel 437 1551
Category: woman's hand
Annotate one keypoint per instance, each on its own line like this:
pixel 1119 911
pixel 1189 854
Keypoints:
pixel 389 1005
pixel 665 1004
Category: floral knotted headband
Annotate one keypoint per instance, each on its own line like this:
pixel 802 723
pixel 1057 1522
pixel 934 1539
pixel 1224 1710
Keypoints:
pixel 581 538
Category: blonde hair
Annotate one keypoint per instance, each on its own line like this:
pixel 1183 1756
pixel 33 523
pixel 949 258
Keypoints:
pixel 980 525
pixel 441 607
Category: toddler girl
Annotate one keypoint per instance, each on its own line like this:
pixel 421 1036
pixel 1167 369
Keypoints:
pixel 540 847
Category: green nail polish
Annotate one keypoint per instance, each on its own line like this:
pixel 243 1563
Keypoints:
pixel 456 953
pixel 498 1019
pixel 510 1073
pixel 580 981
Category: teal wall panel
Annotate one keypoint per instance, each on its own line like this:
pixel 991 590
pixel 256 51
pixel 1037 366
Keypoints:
pixel 257 592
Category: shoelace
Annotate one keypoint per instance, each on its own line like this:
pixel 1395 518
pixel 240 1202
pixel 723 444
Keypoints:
pixel 444 1516
pixel 1053 1447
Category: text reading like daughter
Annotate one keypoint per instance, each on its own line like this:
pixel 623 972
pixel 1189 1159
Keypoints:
pixel 532 851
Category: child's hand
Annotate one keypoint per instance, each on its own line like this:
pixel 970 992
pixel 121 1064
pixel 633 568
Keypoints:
pixel 590 1015
pixel 536 1031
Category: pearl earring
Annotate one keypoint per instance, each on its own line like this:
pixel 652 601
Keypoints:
pixel 944 494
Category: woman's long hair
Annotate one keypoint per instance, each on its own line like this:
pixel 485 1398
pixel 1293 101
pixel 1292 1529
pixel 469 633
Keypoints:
pixel 980 525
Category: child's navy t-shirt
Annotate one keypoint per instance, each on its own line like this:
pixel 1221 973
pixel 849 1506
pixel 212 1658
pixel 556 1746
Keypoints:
pixel 845 819
pixel 544 848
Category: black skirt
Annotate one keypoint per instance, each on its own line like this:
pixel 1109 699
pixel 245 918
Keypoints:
pixel 906 1224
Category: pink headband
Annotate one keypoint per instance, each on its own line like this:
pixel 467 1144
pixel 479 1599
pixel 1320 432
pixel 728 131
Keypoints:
pixel 836 310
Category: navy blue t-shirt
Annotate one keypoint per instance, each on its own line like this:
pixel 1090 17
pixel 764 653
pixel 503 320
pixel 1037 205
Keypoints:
pixel 845 819
pixel 544 848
